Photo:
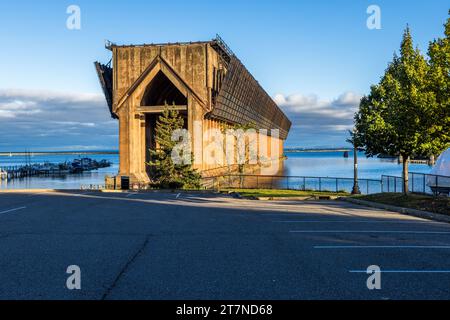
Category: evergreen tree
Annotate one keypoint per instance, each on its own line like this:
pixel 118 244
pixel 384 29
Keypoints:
pixel 439 81
pixel 165 173
pixel 394 118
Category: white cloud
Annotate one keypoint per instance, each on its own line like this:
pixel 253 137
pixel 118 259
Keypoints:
pixel 47 96
pixel 74 124
pixel 7 114
pixel 348 99
pixel 47 120
pixel 44 120
pixel 14 108
pixel 318 121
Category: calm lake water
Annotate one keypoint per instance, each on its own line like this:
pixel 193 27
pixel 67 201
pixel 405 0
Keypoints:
pixel 324 164
pixel 71 181
pixel 333 164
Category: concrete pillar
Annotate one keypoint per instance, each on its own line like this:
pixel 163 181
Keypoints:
pixel 124 158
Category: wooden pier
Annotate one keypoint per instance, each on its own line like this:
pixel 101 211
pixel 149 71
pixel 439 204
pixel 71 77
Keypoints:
pixel 14 172
pixel 48 169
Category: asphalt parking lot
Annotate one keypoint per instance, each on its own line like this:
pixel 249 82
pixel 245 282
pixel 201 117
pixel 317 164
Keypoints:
pixel 206 246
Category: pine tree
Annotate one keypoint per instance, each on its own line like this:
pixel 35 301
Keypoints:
pixel 164 172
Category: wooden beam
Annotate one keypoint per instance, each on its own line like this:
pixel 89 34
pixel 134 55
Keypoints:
pixel 160 109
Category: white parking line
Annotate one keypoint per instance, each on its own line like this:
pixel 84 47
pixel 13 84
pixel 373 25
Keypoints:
pixel 131 194
pixel 356 221
pixel 178 195
pixel 369 231
pixel 381 247
pixel 402 271
pixel 80 194
pixel 11 210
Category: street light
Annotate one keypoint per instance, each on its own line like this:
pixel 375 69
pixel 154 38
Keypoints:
pixel 353 141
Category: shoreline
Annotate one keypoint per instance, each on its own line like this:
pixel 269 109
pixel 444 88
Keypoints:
pixel 318 150
pixel 55 153
pixel 44 153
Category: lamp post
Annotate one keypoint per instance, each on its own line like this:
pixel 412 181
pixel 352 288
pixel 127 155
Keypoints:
pixel 355 189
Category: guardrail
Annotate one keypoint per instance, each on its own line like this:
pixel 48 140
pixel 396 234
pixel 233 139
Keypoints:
pixel 304 183
pixel 418 183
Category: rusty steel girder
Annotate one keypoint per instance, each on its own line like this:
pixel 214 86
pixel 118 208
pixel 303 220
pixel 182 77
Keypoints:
pixel 242 100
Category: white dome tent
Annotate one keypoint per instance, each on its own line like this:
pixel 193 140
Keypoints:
pixel 439 178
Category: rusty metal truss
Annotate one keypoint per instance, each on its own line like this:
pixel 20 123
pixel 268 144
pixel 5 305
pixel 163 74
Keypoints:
pixel 242 100
pixel 105 76
pixel 222 49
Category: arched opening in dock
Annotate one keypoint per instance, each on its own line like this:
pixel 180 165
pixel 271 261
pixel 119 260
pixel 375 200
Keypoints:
pixel 162 91
pixel 159 94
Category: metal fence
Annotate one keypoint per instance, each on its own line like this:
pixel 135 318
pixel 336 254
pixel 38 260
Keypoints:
pixel 418 183
pixel 391 184
pixel 304 183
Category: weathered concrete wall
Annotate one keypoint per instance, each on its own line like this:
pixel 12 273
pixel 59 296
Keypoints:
pixel 192 63
pixel 192 69
pixel 189 61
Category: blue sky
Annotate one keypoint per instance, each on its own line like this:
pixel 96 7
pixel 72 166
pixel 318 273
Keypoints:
pixel 315 58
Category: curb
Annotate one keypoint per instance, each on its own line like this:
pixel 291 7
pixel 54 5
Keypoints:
pixel 406 211
pixel 157 191
pixel 305 198
pixel 302 198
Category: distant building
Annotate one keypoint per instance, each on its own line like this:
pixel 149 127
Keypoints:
pixel 204 81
